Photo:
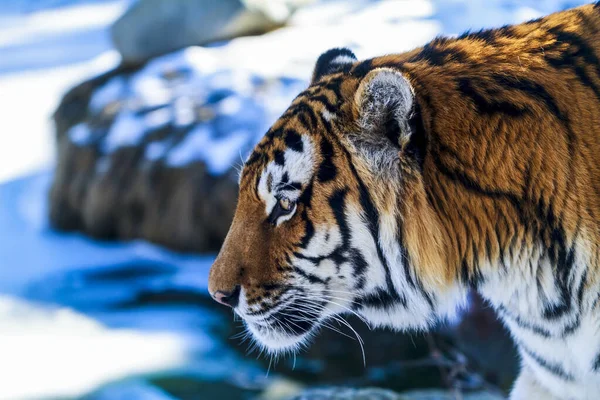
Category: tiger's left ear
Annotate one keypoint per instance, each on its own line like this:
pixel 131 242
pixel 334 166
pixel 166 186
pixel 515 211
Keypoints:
pixel 383 107
pixel 333 61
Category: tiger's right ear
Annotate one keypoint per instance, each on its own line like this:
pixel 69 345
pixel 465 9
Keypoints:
pixel 333 61
pixel 383 106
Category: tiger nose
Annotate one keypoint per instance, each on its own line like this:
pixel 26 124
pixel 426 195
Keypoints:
pixel 230 299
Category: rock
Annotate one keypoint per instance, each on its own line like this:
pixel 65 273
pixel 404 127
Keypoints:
pixel 342 393
pixel 445 395
pixel 151 153
pixel 281 388
pixel 337 393
pixel 155 27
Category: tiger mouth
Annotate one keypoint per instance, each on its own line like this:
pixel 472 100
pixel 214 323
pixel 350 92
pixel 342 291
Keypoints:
pixel 287 327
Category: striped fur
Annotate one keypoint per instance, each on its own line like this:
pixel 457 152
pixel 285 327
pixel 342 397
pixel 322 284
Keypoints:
pixel 469 163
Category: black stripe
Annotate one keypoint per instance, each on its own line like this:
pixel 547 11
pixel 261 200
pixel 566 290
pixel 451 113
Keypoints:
pixel 309 230
pixel 278 157
pixel 534 90
pixel 323 100
pixel 335 86
pixel 361 69
pixel 310 277
pixel 562 257
pixel 488 105
pixel 306 110
pixel 373 225
pixel 577 48
pixel 537 329
pixel 436 54
pixel 327 169
pixel 596 365
pixel 555 369
pixel 303 121
pixel 381 299
pixel 337 202
pixel 360 266
pixel 293 140
pixel 485 35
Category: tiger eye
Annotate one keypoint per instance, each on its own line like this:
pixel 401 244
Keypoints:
pixel 285 203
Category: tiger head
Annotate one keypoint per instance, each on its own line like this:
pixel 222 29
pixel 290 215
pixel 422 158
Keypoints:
pixel 332 216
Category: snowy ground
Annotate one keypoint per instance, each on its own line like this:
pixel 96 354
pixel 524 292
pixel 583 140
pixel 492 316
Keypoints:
pixel 61 332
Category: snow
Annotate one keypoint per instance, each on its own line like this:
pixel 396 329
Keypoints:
pixel 28 100
pixel 52 37
pixel 184 111
pixel 107 94
pixel 158 118
pixel 35 336
pixel 191 148
pixel 42 55
pixel 151 90
pixel 127 130
pixel 156 150
pixel 478 14
pixel 230 106
pixel 80 134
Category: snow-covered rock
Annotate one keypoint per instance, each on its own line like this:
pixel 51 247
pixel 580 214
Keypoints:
pixel 151 153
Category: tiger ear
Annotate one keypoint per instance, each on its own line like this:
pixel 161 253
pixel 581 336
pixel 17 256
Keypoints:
pixel 384 104
pixel 332 61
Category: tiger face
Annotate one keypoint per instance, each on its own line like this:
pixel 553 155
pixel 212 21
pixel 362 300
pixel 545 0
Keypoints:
pixel 317 230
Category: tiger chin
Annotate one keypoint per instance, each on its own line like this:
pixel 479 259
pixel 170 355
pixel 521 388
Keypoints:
pixel 392 186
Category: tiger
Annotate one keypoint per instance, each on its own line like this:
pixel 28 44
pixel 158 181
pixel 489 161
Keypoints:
pixel 393 186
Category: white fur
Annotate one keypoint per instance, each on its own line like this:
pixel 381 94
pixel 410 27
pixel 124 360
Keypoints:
pixel 516 290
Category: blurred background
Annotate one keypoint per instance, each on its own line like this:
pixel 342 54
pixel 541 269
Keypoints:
pixel 122 124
